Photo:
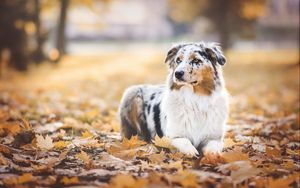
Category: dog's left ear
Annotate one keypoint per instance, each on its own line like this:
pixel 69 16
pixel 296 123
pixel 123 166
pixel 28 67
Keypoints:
pixel 172 53
pixel 215 53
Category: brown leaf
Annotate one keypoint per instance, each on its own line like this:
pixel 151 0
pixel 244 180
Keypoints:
pixel 234 155
pixel 273 152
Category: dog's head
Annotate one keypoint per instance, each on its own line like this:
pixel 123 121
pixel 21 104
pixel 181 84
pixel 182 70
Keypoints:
pixel 195 63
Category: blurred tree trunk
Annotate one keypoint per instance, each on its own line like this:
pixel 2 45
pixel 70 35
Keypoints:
pixel 38 55
pixel 13 37
pixel 221 22
pixel 61 38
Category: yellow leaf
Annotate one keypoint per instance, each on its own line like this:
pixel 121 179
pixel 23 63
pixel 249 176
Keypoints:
pixel 69 181
pixel 61 144
pixel 83 156
pixel 44 143
pixel 133 142
pixel 87 134
pixel 163 142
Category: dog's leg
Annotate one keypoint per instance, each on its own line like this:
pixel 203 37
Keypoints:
pixel 185 146
pixel 213 146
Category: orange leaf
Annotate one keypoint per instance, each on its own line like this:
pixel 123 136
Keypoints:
pixel 235 155
pixel 69 181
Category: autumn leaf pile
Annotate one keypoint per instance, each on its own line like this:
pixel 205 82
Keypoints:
pixel 66 133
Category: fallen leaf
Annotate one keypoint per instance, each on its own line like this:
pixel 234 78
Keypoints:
pixel 69 181
pixel 61 144
pixel 229 142
pixel 83 156
pixel 25 178
pixel 234 155
pixel 283 182
pixel 44 143
pixel 163 142
pixel 133 142
pixel 273 152
pixel 86 134
pixel 185 178
pixel 127 181
pixel 157 157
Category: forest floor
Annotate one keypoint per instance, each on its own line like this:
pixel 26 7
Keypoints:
pixel 58 126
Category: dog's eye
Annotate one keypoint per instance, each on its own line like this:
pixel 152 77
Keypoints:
pixel 197 61
pixel 178 60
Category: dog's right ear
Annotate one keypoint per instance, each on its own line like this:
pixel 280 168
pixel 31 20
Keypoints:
pixel 171 54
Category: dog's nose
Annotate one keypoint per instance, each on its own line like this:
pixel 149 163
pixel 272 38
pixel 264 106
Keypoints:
pixel 179 74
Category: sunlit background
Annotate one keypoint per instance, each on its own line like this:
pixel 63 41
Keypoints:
pixel 97 48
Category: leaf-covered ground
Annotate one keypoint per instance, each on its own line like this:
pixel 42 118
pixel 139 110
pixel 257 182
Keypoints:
pixel 58 126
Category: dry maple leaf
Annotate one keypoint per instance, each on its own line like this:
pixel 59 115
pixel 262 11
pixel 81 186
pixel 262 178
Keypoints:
pixel 163 142
pixel 69 181
pixel 157 158
pixel 127 181
pixel 44 143
pixel 83 156
pixel 133 142
pixel 235 155
pixel 126 154
pixel 185 178
pixel 245 171
pixel 212 159
pixel 87 134
pixel 61 144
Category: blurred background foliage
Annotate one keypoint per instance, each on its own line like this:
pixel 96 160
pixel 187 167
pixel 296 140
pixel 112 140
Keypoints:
pixel 45 30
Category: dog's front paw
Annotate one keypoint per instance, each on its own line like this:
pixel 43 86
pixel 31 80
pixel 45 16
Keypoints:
pixel 185 146
pixel 213 147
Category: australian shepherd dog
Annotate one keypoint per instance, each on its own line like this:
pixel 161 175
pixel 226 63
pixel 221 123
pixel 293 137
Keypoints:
pixel 191 108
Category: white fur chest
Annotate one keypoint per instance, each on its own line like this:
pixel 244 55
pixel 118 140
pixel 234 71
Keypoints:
pixel 198 118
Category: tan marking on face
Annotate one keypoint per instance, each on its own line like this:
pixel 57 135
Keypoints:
pixel 206 84
pixel 192 56
pixel 181 57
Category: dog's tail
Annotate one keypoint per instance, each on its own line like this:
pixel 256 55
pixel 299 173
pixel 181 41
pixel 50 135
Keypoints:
pixel 131 113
